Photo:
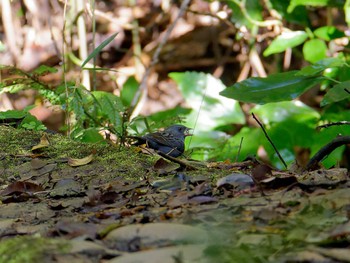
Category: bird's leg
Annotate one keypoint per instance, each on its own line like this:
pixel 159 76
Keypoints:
pixel 173 149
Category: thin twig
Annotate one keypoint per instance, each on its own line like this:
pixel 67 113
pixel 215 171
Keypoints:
pixel 270 141
pixel 239 149
pixel 333 124
pixel 155 59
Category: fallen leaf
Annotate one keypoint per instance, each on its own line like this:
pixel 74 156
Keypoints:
pixel 79 162
pixel 37 163
pixel 163 167
pixel 142 236
pixel 44 142
pixel 236 180
pixel 21 187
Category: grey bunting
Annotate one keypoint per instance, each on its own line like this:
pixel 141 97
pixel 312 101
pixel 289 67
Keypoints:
pixel 171 141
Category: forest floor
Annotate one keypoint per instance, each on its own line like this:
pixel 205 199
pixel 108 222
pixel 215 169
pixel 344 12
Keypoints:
pixel 64 201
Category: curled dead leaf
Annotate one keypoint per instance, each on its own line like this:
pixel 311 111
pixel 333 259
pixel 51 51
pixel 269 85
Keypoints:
pixel 44 142
pixel 79 162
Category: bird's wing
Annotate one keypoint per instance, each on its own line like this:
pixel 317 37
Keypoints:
pixel 162 138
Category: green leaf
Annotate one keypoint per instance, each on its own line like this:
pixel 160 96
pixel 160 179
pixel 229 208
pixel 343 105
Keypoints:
pixel 13 88
pixel 210 110
pixel 99 48
pixel 42 70
pixel 347 11
pixel 298 16
pixel 328 33
pixel 337 93
pixel 159 119
pixel 286 110
pixel 323 137
pixel 129 90
pixel 252 140
pixel 12 114
pixel 110 106
pixel 91 135
pixel 284 41
pixel 276 87
pixel 30 122
pixel 318 3
pixel 254 10
pixel 320 66
pixel 314 50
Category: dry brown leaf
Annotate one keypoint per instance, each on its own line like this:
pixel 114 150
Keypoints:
pixel 79 162
pixel 44 142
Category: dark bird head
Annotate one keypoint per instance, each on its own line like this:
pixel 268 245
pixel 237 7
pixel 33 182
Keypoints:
pixel 178 130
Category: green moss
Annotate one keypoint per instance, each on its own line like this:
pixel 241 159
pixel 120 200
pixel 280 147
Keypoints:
pixel 108 163
pixel 30 249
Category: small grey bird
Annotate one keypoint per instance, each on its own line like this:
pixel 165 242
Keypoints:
pixel 171 141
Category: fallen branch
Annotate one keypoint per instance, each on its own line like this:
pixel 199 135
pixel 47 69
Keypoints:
pixel 326 150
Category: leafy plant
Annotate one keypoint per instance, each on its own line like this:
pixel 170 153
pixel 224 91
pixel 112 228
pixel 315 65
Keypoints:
pixel 293 124
pixel 22 119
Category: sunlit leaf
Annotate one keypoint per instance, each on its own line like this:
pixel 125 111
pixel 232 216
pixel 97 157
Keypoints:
pixel 294 3
pixel 337 93
pixel 314 50
pixel 328 33
pixel 320 66
pixel 254 10
pixel 129 90
pixel 210 110
pixel 276 87
pixel 110 106
pixel 347 12
pixel 42 70
pixel 284 41
pixel 285 110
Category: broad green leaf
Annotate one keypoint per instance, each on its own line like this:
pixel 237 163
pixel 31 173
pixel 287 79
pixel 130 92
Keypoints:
pixel 284 41
pixel 314 50
pixel 284 122
pixel 284 111
pixel 276 87
pixel 318 3
pixel 328 33
pixel 252 139
pixel 320 66
pixel 323 137
pixel 99 48
pixel 159 120
pixel 254 10
pixel 207 145
pixel 335 112
pixel 337 93
pixel 347 11
pixel 298 16
pixel 110 106
pixel 210 110
pixel 13 88
pixel 42 70
pixel 129 90
pixel 174 113
pixel 12 114
pixel 91 135
pixel 30 122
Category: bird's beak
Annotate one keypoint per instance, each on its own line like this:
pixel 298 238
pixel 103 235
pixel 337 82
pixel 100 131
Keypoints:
pixel 188 132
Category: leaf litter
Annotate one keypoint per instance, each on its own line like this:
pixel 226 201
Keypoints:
pixel 127 206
